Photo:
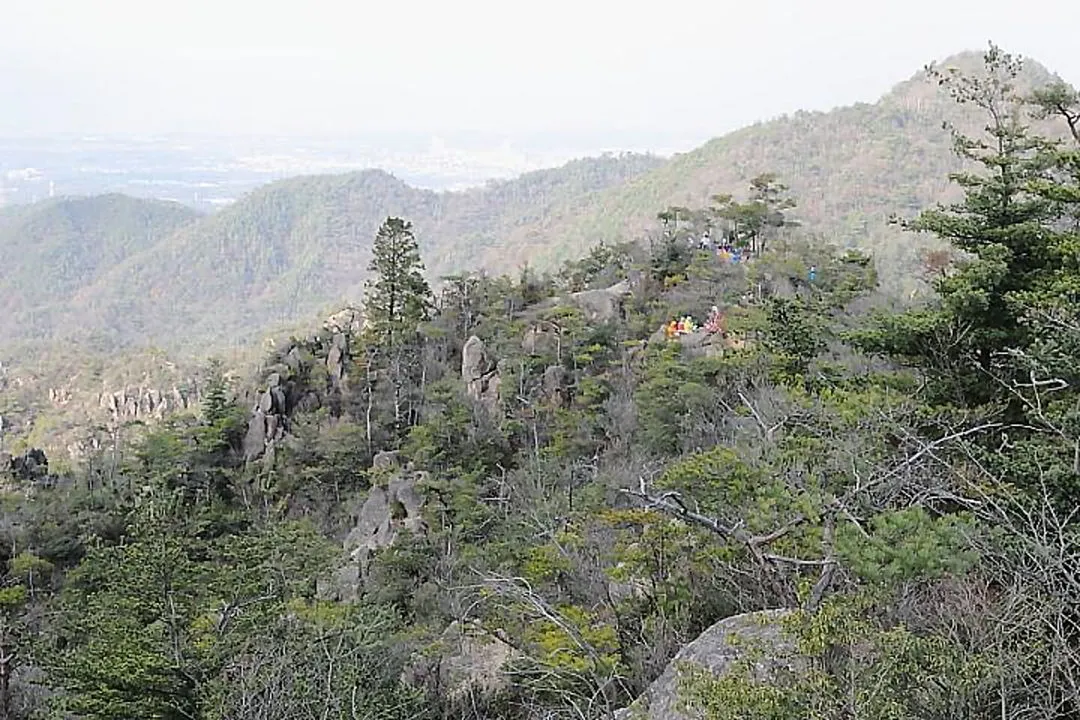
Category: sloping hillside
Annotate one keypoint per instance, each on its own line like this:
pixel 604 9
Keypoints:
pixel 293 248
pixel 296 248
pixel 850 169
pixel 53 249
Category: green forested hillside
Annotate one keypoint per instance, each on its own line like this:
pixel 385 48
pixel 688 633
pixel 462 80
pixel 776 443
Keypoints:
pixel 269 265
pixel 533 498
pixel 852 168
pixel 53 249
pixel 295 247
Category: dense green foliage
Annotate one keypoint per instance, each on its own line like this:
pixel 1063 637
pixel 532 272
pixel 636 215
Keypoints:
pixel 293 248
pixel 518 497
pixel 56 248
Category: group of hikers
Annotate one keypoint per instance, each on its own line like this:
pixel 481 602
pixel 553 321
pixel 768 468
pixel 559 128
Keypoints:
pixel 686 325
pixel 682 326
pixel 725 250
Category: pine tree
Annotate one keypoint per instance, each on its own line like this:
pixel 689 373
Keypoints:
pixel 965 343
pixel 749 225
pixel 215 404
pixel 397 300
pixel 398 297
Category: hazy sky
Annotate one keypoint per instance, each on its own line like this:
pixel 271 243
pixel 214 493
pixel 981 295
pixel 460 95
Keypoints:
pixel 439 66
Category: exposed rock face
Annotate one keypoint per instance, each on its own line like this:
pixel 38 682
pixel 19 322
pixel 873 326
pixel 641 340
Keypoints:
pixel 141 403
pixel 291 384
pixel 336 358
pixel 602 305
pixel 268 419
pixel 387 510
pixel 701 343
pixel 754 636
pixel 553 385
pixel 465 661
pixel 540 340
pixel 348 321
pixel 480 373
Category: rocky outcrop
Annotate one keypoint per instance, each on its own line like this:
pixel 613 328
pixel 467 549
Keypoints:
pixel 266 425
pixel 702 343
pixel 143 403
pixel 756 638
pixel 393 505
pixel 303 375
pixel 336 358
pixel 541 340
pixel 602 305
pixel 465 661
pixel 347 321
pixel 480 373
pixel 31 466
pixel 553 385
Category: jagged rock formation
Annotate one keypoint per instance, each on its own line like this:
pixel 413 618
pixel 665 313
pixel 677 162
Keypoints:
pixel 305 375
pixel 267 423
pixel 393 505
pixel 541 339
pixel 141 403
pixel 480 373
pixel 755 637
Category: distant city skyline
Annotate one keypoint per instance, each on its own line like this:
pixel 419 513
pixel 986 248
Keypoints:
pixel 677 74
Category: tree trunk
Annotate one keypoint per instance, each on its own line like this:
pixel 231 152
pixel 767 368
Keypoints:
pixel 7 662
pixel 370 402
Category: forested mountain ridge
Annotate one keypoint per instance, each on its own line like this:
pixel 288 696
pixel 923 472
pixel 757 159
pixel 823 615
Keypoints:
pixel 268 266
pixel 296 248
pixel 293 248
pixel 521 496
pixel 851 167
pixel 55 248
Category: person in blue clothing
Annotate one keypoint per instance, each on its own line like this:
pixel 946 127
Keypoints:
pixel 813 273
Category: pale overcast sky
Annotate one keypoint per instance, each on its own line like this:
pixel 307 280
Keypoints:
pixel 434 66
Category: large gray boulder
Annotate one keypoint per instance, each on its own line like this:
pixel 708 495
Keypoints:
pixel 480 373
pixel 602 305
pixel 756 637
pixel 465 661
pixel 394 505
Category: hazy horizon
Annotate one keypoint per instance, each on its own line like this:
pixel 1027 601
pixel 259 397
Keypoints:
pixel 597 69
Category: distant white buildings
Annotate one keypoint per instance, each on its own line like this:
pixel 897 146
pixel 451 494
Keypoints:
pixel 23 175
